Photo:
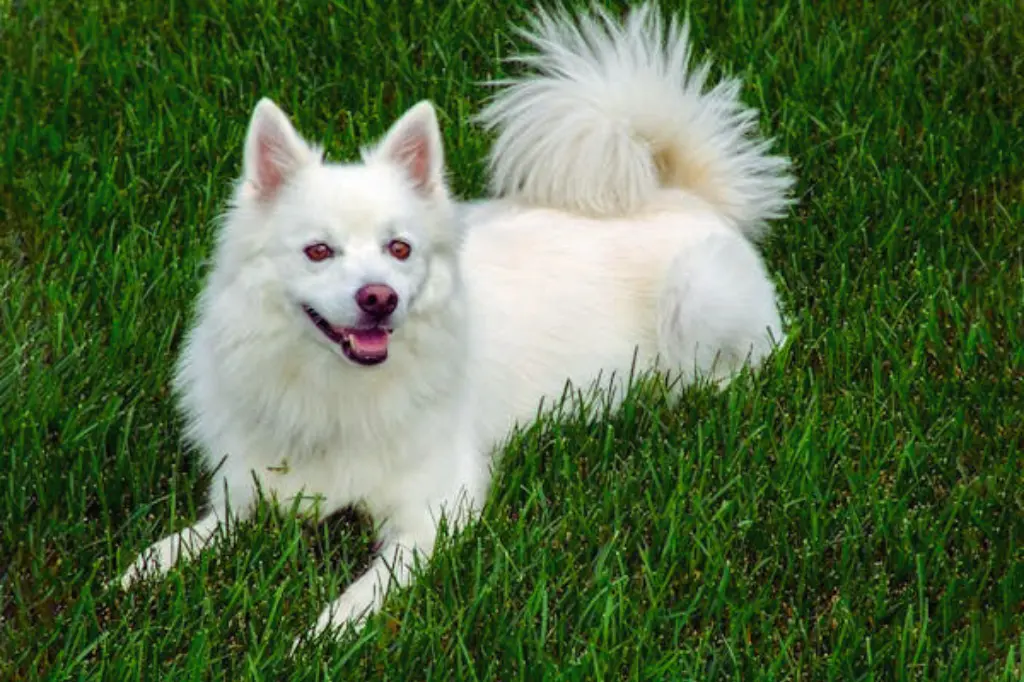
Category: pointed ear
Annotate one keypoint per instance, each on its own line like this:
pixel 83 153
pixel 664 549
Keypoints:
pixel 414 144
pixel 273 150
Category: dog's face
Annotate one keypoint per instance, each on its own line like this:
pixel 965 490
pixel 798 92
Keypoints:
pixel 355 250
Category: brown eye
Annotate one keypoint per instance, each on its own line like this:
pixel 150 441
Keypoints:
pixel 318 252
pixel 399 249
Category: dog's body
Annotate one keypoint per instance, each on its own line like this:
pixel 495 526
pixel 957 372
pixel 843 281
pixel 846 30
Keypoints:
pixel 364 340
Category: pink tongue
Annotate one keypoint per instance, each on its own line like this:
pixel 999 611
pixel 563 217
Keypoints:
pixel 370 343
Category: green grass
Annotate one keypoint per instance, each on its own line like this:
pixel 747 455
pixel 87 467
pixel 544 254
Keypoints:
pixel 856 512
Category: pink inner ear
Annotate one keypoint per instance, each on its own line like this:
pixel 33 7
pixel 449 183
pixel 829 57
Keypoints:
pixel 268 165
pixel 413 152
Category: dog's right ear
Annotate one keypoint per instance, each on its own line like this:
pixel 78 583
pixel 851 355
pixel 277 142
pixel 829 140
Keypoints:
pixel 273 150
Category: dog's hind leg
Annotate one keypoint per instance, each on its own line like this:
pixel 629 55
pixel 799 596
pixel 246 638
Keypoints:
pixel 717 310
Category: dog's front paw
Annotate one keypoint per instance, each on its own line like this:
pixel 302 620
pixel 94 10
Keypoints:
pixel 350 610
pixel 155 560
pixel 347 613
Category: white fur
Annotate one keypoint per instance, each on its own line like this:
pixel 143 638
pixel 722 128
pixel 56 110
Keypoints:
pixel 622 233
pixel 614 114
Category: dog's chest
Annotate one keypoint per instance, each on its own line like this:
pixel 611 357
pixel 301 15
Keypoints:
pixel 326 479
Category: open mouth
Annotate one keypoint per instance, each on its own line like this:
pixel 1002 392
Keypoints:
pixel 363 346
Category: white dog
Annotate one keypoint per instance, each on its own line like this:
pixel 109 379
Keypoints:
pixel 362 339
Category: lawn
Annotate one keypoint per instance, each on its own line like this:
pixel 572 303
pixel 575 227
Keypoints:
pixel 854 512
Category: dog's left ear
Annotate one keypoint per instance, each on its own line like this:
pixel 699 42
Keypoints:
pixel 414 144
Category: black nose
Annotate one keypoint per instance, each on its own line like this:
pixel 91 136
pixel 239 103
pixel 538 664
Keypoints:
pixel 378 300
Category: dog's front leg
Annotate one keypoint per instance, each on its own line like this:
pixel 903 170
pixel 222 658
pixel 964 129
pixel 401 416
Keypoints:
pixel 408 536
pixel 159 557
pixel 450 487
pixel 391 568
pixel 210 529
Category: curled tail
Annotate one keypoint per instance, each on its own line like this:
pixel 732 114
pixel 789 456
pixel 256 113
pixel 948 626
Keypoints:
pixel 613 112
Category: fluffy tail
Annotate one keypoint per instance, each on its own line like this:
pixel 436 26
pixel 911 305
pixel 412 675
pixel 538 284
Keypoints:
pixel 613 112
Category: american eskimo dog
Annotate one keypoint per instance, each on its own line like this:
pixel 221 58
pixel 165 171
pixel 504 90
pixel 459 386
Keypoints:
pixel 364 339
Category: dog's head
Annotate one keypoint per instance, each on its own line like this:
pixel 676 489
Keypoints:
pixel 352 250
